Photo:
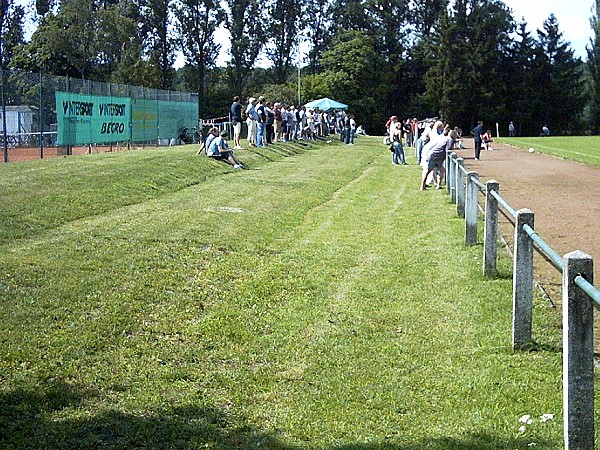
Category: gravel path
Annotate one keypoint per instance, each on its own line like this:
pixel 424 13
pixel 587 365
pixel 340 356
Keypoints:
pixel 564 196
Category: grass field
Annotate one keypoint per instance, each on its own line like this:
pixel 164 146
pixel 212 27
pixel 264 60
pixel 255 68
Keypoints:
pixel 584 149
pixel 158 299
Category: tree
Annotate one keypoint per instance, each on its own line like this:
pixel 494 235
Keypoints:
pixel 318 31
pixel 157 40
pixel 197 22
pixel 282 32
pixel 470 50
pixel 118 46
pixel 521 97
pixel 64 43
pixel 390 30
pixel 425 14
pixel 593 69
pixel 390 27
pixel 245 25
pixel 562 79
pixel 351 15
pixel 11 30
pixel 352 72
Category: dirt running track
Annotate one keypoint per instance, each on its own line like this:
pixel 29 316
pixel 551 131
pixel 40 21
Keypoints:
pixel 564 196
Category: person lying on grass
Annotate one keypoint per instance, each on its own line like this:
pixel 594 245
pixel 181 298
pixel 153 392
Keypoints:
pixel 219 150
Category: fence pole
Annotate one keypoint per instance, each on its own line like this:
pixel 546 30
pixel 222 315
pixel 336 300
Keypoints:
pixel 42 117
pixel 471 210
pixel 460 188
pixel 448 170
pixel 578 354
pixel 450 176
pixel 4 130
pixel 522 281
pixel 490 242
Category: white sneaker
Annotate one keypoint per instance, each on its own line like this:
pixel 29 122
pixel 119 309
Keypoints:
pixel 237 166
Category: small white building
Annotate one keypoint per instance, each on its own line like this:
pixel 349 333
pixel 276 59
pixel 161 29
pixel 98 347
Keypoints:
pixel 19 119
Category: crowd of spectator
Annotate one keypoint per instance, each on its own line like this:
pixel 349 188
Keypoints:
pixel 431 139
pixel 269 123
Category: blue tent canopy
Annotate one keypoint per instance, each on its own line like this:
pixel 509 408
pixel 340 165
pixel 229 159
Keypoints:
pixel 326 104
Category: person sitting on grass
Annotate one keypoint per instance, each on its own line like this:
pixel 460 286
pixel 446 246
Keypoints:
pixel 219 150
pixel 212 133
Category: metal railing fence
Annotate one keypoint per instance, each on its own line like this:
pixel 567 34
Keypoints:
pixel 579 295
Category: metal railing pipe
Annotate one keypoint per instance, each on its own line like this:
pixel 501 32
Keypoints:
pixel 545 248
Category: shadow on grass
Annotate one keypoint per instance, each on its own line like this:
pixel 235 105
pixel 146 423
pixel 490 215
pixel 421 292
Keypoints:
pixel 479 441
pixel 534 346
pixel 27 423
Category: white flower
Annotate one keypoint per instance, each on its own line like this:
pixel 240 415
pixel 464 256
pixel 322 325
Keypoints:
pixel 522 429
pixel 526 419
pixel 531 444
pixel 546 417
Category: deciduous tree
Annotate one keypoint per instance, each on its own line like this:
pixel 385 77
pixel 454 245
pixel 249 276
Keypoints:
pixel 282 28
pixel 197 21
pixel 248 36
pixel 11 30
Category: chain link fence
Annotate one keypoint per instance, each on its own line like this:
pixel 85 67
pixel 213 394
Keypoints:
pixel 30 125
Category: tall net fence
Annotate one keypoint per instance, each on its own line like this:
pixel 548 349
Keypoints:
pixel 46 115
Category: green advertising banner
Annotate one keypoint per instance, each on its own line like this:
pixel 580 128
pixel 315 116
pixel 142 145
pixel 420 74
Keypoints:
pixel 92 119
pixel 144 115
pixel 172 116
pixel 161 119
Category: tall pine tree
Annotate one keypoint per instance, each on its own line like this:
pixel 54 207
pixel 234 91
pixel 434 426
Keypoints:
pixel 593 68
pixel 469 52
pixel 560 77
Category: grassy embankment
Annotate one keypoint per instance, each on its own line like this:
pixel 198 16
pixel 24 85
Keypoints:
pixel 158 299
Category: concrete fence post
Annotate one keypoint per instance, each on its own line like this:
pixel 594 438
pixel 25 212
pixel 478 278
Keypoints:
pixel 451 175
pixel 471 209
pixel 578 354
pixel 522 281
pixel 460 188
pixel 490 241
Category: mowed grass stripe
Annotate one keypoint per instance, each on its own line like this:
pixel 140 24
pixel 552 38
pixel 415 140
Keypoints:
pixel 388 333
pixel 308 304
